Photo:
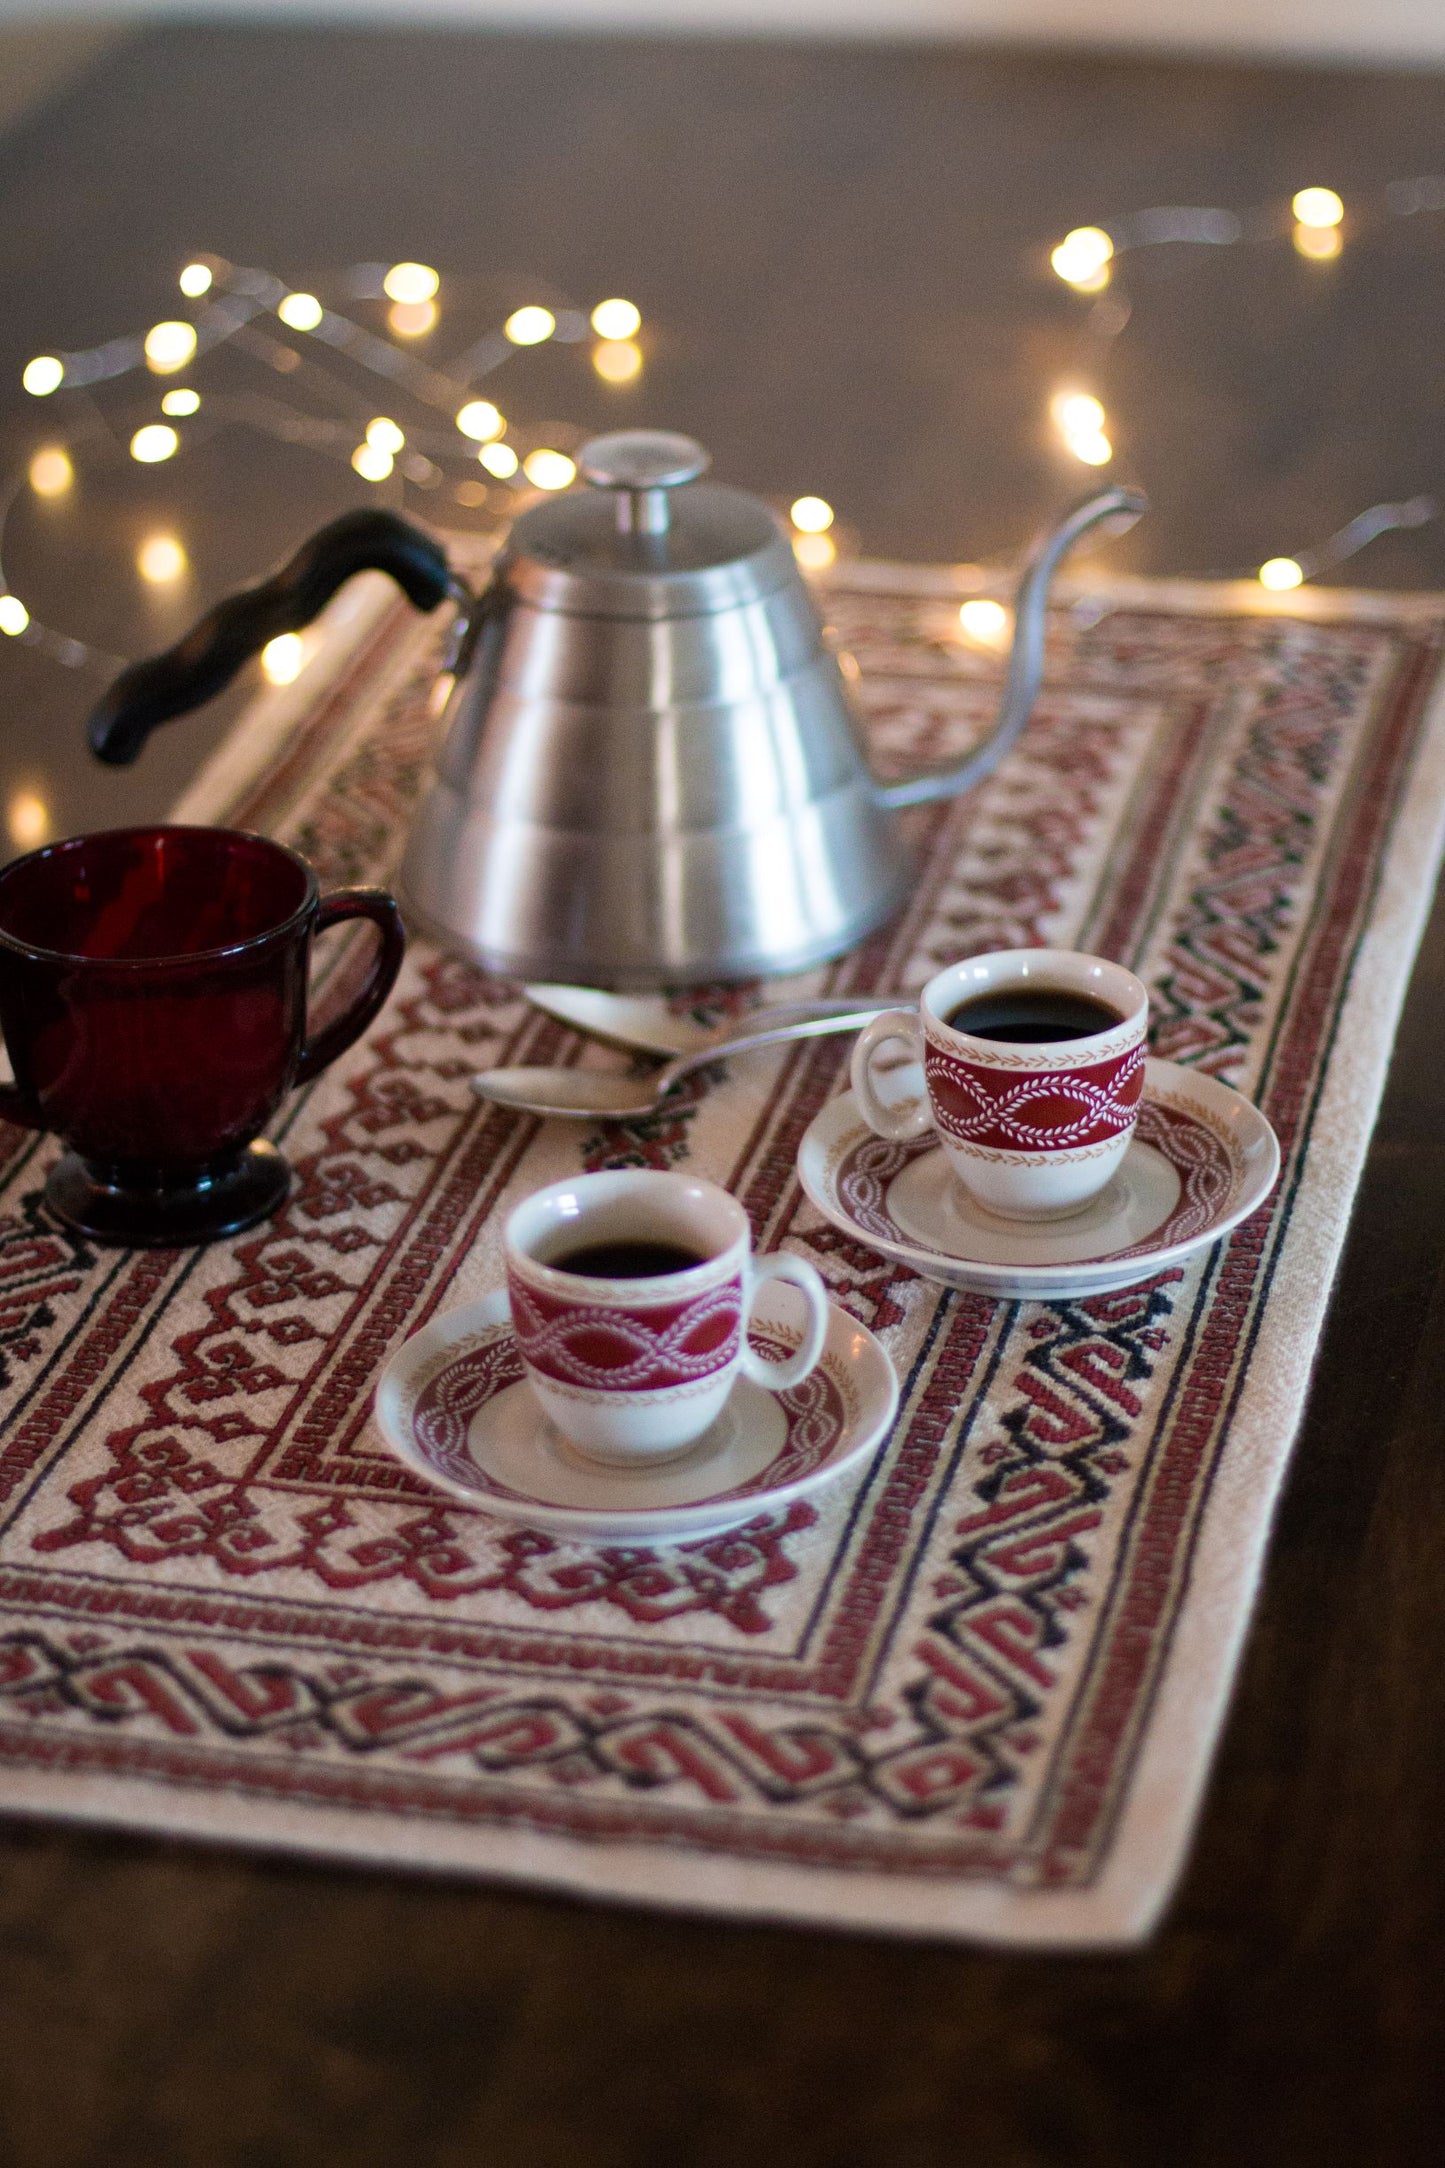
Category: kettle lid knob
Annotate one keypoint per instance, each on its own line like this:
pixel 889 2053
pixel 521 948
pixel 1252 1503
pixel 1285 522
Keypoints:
pixel 642 465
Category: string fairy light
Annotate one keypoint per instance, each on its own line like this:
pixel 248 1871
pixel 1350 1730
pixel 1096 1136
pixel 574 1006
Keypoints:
pixel 50 472
pixel 617 361
pixel 1088 256
pixel 235 303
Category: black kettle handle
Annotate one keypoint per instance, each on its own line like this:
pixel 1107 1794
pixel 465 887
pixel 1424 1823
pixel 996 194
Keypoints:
pixel 204 662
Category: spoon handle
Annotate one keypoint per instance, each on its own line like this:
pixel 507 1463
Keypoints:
pixel 743 1042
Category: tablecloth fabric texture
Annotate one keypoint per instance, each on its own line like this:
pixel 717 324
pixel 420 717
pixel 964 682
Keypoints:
pixel 973 1693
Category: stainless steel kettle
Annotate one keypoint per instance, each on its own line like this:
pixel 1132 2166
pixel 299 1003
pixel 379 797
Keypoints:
pixel 652 773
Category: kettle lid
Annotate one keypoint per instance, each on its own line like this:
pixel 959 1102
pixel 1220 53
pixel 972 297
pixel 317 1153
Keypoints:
pixel 647 539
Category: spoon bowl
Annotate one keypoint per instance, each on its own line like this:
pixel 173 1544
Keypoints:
pixel 592 1094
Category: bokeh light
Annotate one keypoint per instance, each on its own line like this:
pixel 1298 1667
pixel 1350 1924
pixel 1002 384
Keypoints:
pixel 412 319
pixel 617 361
pixel 372 463
pixel 616 320
pixel 546 469
pixel 181 401
pixel 43 375
pixel 169 347
pixel 530 326
pixel 195 280
pixel 499 459
pixel 1083 257
pixel 814 552
pixel 985 621
pixel 283 659
pixel 1281 573
pixel 14 617
pixel 51 473
pixel 161 559
pixel 302 312
pixel 811 515
pixel 1318 207
pixel 481 420
pixel 383 435
pixel 27 817
pixel 155 442
pixel 410 282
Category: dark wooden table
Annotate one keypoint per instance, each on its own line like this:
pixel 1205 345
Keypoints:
pixel 842 258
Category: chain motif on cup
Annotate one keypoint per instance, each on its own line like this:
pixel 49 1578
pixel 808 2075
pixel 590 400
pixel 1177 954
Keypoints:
pixel 1048 1110
pixel 597 1348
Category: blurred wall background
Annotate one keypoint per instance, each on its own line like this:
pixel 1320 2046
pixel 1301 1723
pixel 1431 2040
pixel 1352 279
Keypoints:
pixel 1399 31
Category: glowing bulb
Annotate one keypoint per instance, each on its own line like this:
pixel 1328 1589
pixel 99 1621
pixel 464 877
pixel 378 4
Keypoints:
pixel 302 312
pixel 43 376
pixel 1318 242
pixel 412 319
pixel 160 558
pixel 480 419
pixel 617 361
pixel 155 442
pixel 499 459
pixel 14 617
pixel 169 347
pixel 1280 573
pixel 616 320
pixel 1093 448
pixel 51 473
pixel 383 435
pixel 549 470
pixel 984 620
pixel 814 552
pixel 28 819
pixel 283 659
pixel 1318 207
pixel 1076 414
pixel 410 282
pixel 530 326
pixel 1082 258
pixel 372 463
pixel 811 515
pixel 181 401
pixel 195 280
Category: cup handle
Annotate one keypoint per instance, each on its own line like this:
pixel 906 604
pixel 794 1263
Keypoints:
pixel 914 1117
pixel 778 1377
pixel 344 1030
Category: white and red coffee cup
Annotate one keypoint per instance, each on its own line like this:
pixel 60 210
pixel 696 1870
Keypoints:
pixel 635 1369
pixel 1033 1131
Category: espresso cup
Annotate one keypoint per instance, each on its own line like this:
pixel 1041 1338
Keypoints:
pixel 153 1001
pixel 1034 1108
pixel 630 1295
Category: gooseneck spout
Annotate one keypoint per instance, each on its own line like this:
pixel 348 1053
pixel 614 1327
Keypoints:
pixel 1119 508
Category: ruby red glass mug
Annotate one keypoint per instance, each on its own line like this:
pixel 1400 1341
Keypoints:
pixel 153 1001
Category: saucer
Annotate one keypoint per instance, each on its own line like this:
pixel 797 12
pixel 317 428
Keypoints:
pixel 1201 1159
pixel 454 1406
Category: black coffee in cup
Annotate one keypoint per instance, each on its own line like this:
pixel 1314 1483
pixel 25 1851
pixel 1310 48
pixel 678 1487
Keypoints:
pixel 1032 1015
pixel 626 1260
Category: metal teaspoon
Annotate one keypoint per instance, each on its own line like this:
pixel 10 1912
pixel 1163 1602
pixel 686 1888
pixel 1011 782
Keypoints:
pixel 590 1093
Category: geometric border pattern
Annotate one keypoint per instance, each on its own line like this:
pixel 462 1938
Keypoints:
pixel 929 1699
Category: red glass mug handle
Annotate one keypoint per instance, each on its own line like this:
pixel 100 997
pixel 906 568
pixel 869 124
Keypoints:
pixel 344 1030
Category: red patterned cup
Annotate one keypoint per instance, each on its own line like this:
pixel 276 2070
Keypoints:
pixel 1033 1129
pixel 634 1365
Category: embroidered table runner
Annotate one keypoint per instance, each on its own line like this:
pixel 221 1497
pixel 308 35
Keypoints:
pixel 973 1692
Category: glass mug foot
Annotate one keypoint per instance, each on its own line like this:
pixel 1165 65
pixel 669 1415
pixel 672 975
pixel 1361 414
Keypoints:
pixel 127 1208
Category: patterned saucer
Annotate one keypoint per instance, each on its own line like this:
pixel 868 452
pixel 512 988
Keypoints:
pixel 454 1407
pixel 1202 1159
